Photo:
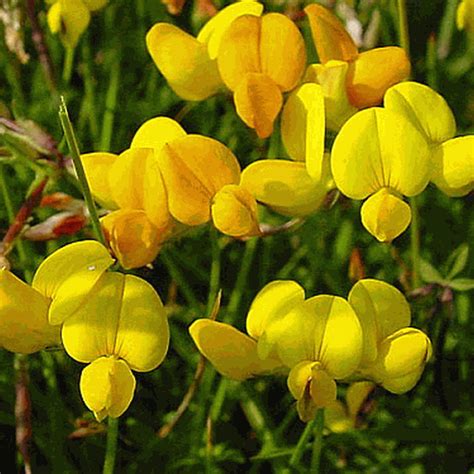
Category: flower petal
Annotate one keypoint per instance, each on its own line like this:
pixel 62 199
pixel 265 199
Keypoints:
pixel 356 396
pixel 97 166
pixel 381 309
pixel 213 31
pixel 385 215
pixel 453 171
pixel 184 61
pixel 142 332
pixel 239 50
pixel 92 330
pixel 156 133
pixel 24 323
pixel 234 211
pixel 329 35
pixel 417 102
pixel 302 127
pixel 285 186
pixel 322 388
pixel 258 101
pixel 282 51
pixel 134 240
pixel 373 72
pixel 70 19
pixel 299 377
pixel 379 148
pixel 107 387
pixel 194 169
pixel 231 352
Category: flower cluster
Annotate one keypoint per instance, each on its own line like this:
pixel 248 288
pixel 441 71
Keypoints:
pixel 320 340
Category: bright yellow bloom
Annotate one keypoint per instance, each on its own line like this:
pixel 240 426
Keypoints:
pixel 122 326
pixel 465 16
pixel 350 80
pixel 70 18
pixel 259 58
pixel 189 64
pixel 340 417
pixel 394 355
pixel 380 154
pixel 453 158
pixel 24 325
pixel 298 187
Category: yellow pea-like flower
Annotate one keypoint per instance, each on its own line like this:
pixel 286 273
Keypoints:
pixel 394 355
pixel 363 82
pixel 188 63
pixel 259 58
pixel 465 16
pixel 24 325
pixel 121 327
pixel 380 153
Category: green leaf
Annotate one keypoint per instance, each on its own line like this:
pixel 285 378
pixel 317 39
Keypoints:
pixel 428 273
pixel 462 284
pixel 457 261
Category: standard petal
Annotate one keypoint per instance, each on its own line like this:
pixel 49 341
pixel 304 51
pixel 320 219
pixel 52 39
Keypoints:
pixel 134 240
pixel 373 72
pixel 194 169
pixel 272 302
pixel 213 31
pixel 107 387
pixel 282 51
pixel 92 330
pixel 88 257
pixel 417 102
pixel 453 170
pixel 258 102
pixel 231 352
pixel 402 359
pixel 24 326
pixel 329 35
pixel 142 332
pixel 285 186
pixel 302 128
pixel 239 50
pixel 156 133
pixel 97 167
pixel 379 148
pixel 385 215
pixel 381 309
pixel 331 76
pixel 234 212
pixel 184 61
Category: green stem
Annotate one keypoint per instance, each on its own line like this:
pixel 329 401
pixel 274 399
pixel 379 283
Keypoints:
pixel 415 244
pixel 110 106
pixel 81 175
pixel 214 279
pixel 111 448
pixel 403 26
pixel 318 441
pixel 446 29
pixel 302 443
pixel 68 63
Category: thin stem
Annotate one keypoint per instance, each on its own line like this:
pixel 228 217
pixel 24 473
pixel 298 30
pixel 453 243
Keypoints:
pixel 403 26
pixel 318 441
pixel 415 244
pixel 302 443
pixel 68 63
pixel 81 175
pixel 214 279
pixel 110 105
pixel 111 448
pixel 447 28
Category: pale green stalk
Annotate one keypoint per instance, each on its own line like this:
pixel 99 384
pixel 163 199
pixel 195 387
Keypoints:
pixel 318 441
pixel 111 447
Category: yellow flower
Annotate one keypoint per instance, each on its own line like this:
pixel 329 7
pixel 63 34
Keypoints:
pixel 340 417
pixel 380 154
pixel 453 158
pixel 24 325
pixel 70 18
pixel 465 16
pixel 394 355
pixel 350 80
pixel 189 64
pixel 122 326
pixel 259 58
pixel 298 187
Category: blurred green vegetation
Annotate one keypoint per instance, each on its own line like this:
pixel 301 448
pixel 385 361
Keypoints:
pixel 114 87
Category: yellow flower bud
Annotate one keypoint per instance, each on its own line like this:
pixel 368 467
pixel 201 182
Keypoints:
pixel 234 212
